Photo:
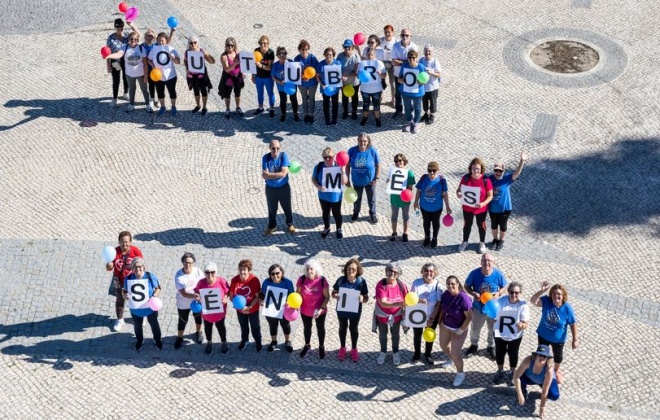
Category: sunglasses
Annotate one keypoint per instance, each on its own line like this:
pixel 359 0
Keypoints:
pixel 328 157
pixel 276 273
pixel 133 39
pixel 192 43
pixel 263 43
pixel 412 58
pixel 150 35
pixel 514 293
pixel 189 262
pixel 230 45
pixel 282 54
pixel 209 272
pixel 393 271
pixel 405 35
pixel 398 160
pixel 432 171
pixel 119 26
pixel 498 170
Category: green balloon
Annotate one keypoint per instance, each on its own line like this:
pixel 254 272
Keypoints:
pixel 294 168
pixel 423 77
pixel 350 195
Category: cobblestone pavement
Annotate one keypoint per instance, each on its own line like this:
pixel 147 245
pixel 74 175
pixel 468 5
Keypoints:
pixel 74 173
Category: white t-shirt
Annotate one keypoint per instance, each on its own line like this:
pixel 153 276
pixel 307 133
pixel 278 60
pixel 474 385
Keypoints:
pixel 376 86
pixel 399 52
pixel 387 47
pixel 187 282
pixel 431 292
pixel 160 56
pixel 434 82
pixel 133 61
pixel 507 318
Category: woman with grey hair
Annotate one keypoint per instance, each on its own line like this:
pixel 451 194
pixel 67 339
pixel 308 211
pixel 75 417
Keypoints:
pixel 510 324
pixel 389 311
pixel 315 291
pixel 185 281
pixel 139 287
pixel 429 291
pixel 196 73
pixel 430 98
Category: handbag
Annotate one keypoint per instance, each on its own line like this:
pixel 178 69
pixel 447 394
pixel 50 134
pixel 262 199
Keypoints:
pixel 111 289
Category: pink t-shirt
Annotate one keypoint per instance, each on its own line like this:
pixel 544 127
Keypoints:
pixel 393 294
pixel 221 284
pixel 483 191
pixel 312 293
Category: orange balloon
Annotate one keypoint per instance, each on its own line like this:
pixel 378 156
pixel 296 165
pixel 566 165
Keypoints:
pixel 156 75
pixel 258 56
pixel 310 72
pixel 485 297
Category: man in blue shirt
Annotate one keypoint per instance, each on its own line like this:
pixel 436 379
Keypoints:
pixel 275 170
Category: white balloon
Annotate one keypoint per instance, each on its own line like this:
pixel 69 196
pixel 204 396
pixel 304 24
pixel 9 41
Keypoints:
pixel 108 254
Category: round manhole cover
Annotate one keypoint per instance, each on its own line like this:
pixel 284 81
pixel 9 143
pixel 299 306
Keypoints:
pixel 566 57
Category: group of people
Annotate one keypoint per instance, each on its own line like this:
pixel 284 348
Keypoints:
pixel 453 310
pixel 480 195
pixel 352 71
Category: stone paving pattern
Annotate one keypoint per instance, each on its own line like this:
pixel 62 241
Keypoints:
pixel 74 173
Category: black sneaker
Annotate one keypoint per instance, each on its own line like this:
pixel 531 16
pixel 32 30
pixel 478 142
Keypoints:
pixel 424 118
pixel 325 233
pixel 178 343
pixel 354 116
pixel 283 118
pixel 271 346
pixel 340 234
pixel 258 346
pixel 321 352
pixel 296 118
pixel 344 115
pixel 426 242
pixel 500 245
pixel 306 119
pixel 305 351
pixel 242 345
pixel 240 112
pixel 493 245
pixel 471 350
pixel 204 111
pixel 491 352
pixel 328 123
pixel 288 346
pixel 434 242
pixel 209 348
pixel 429 359
pixel 363 121
pixel 430 120
pixel 354 218
pixel 374 219
pixel 195 109
pixel 224 349
pixel 311 119
pixel 404 237
pixel 396 115
pixel 393 237
pixel 227 114
pixel 509 378
pixel 271 114
pixel 258 111
pixel 378 123
pixel 499 377
pixel 199 337
pixel 415 358
pixel 159 344
pixel 138 346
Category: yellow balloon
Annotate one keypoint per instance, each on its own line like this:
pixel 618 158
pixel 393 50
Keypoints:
pixel 310 72
pixel 348 90
pixel 412 299
pixel 258 56
pixel 294 300
pixel 429 335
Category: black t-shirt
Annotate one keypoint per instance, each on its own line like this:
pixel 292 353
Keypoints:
pixel 269 56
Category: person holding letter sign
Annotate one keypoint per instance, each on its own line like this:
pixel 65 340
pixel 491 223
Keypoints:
pixel 232 78
pixel 277 73
pixel 121 267
pixel 351 292
pixel 325 78
pixel 163 57
pixel 371 89
pixel 315 292
pixel 412 91
pixel 247 285
pixel 134 67
pixel 197 74
pixel 500 207
pixel 511 322
pixel 212 292
pixel 396 180
pixel 263 79
pixel 328 178
pixel 475 192
pixel 455 316
pixel 389 311
pixel 185 281
pixel 148 44
pixel 349 60
pixel 309 84
pixel 429 291
pixel 363 169
pixel 274 291
pixel 139 287
pixel 431 192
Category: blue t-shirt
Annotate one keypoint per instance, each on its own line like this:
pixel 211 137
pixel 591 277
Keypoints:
pixel 310 61
pixel 554 322
pixel 481 284
pixel 430 198
pixel 277 71
pixel 284 284
pixel 330 197
pixel 276 165
pixel 501 194
pixel 363 165
pixel 152 285
pixel 421 90
pixel 320 70
pixel 359 284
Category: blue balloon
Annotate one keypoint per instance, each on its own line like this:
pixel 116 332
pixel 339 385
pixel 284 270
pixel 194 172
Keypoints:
pixel 195 307
pixel 172 22
pixel 364 77
pixel 239 302
pixel 329 90
pixel 491 308
pixel 289 88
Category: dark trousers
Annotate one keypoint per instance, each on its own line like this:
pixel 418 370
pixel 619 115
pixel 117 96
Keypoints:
pixel 274 322
pixel 468 219
pixel 247 322
pixel 153 322
pixel 430 101
pixel 320 328
pixel 354 101
pixel 371 199
pixel 219 325
pixel 398 100
pixel 294 102
pixel 417 340
pixel 503 347
pixel 553 391
pixel 282 196
pixel 119 299
pixel 326 208
pixel 116 76
pixel 326 107
pixel 183 318
pixel 431 218
pixel 345 325
pixel 171 88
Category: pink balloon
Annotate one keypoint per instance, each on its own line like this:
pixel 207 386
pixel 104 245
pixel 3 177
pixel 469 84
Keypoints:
pixel 131 14
pixel 406 195
pixel 290 314
pixel 359 38
pixel 448 220
pixel 155 303
pixel 342 158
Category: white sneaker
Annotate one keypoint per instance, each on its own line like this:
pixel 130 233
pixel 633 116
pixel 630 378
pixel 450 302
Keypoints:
pixel 460 377
pixel 130 108
pixel 482 247
pixel 446 364
pixel 396 358
pixel 125 96
pixel 113 103
pixel 381 359
pixel 149 109
pixel 462 246
pixel 119 324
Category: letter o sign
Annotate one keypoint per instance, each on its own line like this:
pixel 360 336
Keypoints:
pixel 163 58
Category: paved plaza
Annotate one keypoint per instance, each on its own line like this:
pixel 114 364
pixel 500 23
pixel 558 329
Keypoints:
pixel 74 172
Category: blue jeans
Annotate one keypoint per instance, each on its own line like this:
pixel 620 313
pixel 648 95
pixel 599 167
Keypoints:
pixel 410 104
pixel 268 83
pixel 371 199
pixel 553 391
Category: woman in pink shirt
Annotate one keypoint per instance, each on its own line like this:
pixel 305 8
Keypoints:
pixel 475 192
pixel 315 292
pixel 389 310
pixel 210 304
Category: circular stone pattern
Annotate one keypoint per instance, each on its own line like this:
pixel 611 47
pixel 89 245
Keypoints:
pixel 564 56
pixel 546 56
